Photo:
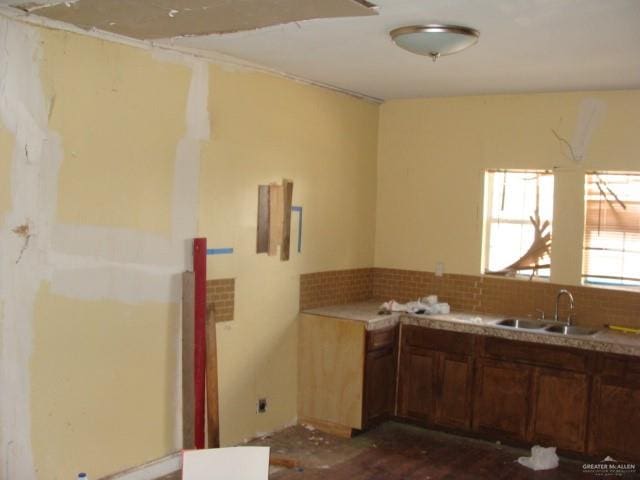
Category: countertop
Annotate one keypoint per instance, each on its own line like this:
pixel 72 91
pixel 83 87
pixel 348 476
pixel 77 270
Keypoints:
pixel 480 324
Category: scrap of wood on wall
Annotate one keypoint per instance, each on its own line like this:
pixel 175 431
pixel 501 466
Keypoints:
pixel 274 219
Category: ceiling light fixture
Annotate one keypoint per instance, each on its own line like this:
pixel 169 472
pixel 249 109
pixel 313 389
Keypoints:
pixel 434 41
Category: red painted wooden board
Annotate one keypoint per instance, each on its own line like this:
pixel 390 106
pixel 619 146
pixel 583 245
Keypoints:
pixel 200 347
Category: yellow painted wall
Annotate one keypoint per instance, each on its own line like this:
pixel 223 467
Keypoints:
pixel 431 158
pixel 103 372
pixel 266 128
pixel 6 153
pixel 120 114
pixel 102 384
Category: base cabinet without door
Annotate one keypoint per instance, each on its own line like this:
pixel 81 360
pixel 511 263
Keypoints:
pixel 381 359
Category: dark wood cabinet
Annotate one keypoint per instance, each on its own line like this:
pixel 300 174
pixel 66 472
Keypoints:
pixel 435 382
pixel 455 381
pixel 380 376
pixel 532 393
pixel 528 393
pixel 560 409
pixel 417 392
pixel 615 409
pixel 502 398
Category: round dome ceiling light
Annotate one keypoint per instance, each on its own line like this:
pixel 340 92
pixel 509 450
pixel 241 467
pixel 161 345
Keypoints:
pixel 434 41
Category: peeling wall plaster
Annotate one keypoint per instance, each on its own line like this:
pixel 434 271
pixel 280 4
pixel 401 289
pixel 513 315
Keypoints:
pixel 80 262
pixel 36 159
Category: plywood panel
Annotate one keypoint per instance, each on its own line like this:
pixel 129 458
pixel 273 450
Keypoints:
pixel 331 370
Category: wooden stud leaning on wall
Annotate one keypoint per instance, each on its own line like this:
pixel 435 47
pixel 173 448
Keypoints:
pixel 213 421
pixel 200 341
pixel 199 357
pixel 188 388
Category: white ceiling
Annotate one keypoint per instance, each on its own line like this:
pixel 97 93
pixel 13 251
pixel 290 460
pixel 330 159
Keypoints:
pixel 525 46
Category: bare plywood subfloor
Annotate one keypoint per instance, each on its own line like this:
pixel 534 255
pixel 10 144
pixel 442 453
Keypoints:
pixel 143 19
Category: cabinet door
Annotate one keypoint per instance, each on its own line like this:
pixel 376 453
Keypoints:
pixel 615 418
pixel 560 409
pixel 453 405
pixel 380 385
pixel 502 399
pixel 418 376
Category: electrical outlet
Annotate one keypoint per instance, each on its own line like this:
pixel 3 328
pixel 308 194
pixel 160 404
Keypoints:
pixel 262 405
pixel 439 269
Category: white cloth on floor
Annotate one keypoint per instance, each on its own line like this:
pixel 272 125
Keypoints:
pixel 541 458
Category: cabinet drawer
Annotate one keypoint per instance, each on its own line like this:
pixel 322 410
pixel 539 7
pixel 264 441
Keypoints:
pixel 620 366
pixel 536 354
pixel 440 340
pixel 383 338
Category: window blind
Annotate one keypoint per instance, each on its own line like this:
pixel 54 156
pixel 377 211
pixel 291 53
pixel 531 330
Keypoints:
pixel 612 229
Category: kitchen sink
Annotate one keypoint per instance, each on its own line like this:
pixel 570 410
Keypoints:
pixel 520 324
pixel 571 330
pixel 544 327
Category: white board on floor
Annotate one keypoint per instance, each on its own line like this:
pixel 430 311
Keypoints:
pixel 237 463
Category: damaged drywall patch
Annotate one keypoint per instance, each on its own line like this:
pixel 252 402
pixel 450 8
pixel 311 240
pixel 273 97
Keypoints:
pixel 79 261
pixel 592 111
pixel 69 256
pixel 120 132
pixel 590 116
pixel 36 158
pixel 133 266
pixel 160 19
pixel 25 232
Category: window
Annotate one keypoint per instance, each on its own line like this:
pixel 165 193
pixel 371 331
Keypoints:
pixel 517 227
pixel 611 252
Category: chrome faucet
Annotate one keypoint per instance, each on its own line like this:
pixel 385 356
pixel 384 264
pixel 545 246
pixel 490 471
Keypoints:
pixel 571 305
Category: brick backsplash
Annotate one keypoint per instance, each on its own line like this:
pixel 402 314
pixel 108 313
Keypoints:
pixel 486 294
pixel 462 292
pixel 335 287
pixel 221 298
pixel 470 293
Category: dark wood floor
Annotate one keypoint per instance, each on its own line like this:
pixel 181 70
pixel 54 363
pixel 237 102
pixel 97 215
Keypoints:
pixel 402 452
pixel 396 451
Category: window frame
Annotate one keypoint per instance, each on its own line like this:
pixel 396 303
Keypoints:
pixel 488 219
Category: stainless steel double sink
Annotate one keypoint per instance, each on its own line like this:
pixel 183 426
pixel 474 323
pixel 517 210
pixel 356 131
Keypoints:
pixel 542 326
